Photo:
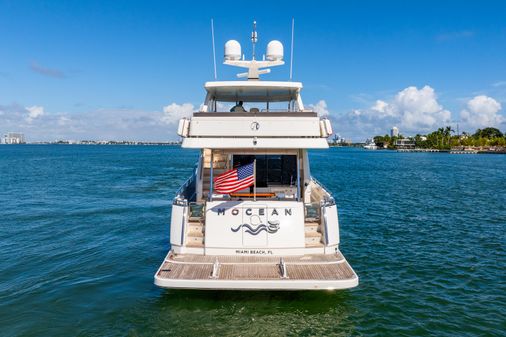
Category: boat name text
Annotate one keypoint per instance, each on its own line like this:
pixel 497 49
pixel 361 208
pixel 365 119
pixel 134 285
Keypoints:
pixel 251 211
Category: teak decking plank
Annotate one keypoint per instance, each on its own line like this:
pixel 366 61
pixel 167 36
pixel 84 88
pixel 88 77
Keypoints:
pixel 308 267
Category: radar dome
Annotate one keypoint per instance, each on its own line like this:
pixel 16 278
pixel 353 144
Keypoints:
pixel 232 50
pixel 275 51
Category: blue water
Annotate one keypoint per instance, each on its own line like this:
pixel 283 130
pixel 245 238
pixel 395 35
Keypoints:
pixel 84 228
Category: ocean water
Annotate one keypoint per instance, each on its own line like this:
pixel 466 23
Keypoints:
pixel 84 228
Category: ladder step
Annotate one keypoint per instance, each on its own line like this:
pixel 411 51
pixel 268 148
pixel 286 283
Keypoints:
pixel 195 244
pixel 314 245
pixel 313 238
pixel 196 229
pixel 311 227
pixel 194 239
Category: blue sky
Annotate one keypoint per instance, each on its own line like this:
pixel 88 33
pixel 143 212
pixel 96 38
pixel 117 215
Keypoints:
pixel 128 69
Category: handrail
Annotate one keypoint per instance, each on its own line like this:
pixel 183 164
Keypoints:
pixel 328 199
pixel 325 224
pixel 180 198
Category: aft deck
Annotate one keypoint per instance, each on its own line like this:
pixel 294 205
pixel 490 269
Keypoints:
pixel 227 272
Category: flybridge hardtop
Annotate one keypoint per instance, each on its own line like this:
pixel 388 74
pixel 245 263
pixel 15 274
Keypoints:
pixel 252 91
pixel 251 216
pixel 273 116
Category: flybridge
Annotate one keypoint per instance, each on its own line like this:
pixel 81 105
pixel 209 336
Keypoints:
pixel 266 114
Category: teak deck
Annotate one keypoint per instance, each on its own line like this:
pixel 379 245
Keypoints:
pixel 307 267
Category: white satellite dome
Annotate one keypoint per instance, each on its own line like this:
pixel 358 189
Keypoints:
pixel 275 51
pixel 232 50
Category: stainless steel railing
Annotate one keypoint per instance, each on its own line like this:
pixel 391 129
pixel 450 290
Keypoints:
pixel 187 192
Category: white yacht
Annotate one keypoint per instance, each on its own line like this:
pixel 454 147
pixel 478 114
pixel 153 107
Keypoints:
pixel 370 144
pixel 251 216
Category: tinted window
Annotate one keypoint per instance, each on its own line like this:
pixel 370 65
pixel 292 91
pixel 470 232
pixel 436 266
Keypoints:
pixel 271 169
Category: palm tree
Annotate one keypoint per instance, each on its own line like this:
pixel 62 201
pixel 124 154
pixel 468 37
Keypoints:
pixel 440 134
pixel 447 133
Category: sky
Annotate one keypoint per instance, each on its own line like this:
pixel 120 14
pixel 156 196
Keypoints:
pixel 128 70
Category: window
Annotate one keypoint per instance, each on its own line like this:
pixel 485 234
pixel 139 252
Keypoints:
pixel 271 169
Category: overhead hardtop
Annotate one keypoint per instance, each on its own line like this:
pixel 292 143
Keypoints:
pixel 253 91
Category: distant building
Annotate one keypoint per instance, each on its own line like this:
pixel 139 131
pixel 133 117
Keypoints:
pixel 405 143
pixel 394 132
pixel 14 138
pixel 337 140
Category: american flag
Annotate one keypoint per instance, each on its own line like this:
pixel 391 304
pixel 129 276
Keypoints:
pixel 235 180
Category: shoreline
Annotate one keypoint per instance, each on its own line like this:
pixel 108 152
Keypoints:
pixel 419 150
pixel 450 151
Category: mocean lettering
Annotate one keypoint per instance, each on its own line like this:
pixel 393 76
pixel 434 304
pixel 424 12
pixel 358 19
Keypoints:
pixel 249 211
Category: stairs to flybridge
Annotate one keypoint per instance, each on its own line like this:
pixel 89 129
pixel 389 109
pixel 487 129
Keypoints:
pixel 220 161
pixel 195 233
pixel 196 230
pixel 313 234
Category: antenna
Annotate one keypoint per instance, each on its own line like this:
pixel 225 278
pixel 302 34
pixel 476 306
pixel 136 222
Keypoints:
pixel 291 50
pixel 274 57
pixel 254 37
pixel 214 50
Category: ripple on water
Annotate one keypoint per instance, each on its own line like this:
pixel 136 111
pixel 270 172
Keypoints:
pixel 88 227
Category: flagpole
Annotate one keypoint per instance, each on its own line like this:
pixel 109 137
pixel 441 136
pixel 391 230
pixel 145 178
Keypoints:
pixel 255 180
pixel 210 196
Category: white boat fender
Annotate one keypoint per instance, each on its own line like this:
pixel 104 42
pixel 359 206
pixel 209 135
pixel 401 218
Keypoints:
pixel 328 126
pixel 325 127
pixel 183 127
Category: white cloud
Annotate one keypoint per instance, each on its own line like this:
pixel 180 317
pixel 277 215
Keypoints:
pixel 482 111
pixel 174 112
pixel 101 124
pixel 380 106
pixel 413 110
pixel 34 112
pixel 320 108
pixel 419 109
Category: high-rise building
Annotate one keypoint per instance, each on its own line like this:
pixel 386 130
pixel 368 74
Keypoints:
pixel 394 132
pixel 14 138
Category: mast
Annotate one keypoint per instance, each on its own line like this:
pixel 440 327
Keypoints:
pixel 254 38
pixel 255 180
pixel 210 196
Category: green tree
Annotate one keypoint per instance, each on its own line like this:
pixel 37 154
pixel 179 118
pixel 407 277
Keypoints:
pixel 488 133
